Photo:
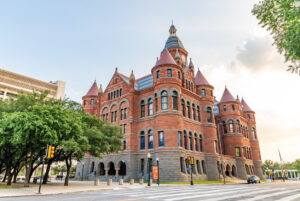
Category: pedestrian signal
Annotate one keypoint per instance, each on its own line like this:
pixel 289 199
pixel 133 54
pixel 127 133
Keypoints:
pixel 50 153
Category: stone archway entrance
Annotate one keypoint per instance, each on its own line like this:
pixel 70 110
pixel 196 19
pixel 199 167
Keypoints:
pixel 233 171
pixel 227 172
pixel 101 169
pixel 122 171
pixel 111 169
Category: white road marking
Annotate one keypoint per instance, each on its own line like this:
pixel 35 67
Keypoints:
pixel 290 198
pixel 269 195
pixel 240 195
pixel 211 193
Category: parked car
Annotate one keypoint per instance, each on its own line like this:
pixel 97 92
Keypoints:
pixel 253 180
pixel 72 176
pixel 59 176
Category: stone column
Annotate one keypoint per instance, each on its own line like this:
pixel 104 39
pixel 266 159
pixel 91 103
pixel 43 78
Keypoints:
pixel 117 171
pixel 106 171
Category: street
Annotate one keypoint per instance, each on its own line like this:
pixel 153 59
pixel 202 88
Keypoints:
pixel 274 191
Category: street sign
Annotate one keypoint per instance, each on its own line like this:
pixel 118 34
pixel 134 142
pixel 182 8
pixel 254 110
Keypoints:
pixel 188 168
pixel 155 172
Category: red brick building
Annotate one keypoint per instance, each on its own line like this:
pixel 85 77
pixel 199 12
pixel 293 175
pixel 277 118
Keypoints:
pixel 173 114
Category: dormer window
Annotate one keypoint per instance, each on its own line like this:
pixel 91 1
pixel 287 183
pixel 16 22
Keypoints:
pixel 92 101
pixel 224 108
pixel 158 74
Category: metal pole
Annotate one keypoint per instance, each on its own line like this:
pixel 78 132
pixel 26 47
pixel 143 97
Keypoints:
pixel 220 148
pixel 41 178
pixel 192 182
pixel 149 172
pixel 158 172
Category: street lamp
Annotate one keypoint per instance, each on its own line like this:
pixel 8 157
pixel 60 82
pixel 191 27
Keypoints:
pixel 157 161
pixel 149 156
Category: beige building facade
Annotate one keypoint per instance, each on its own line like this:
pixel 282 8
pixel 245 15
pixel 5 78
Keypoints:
pixel 11 83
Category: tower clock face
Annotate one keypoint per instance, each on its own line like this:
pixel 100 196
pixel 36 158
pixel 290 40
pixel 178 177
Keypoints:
pixel 183 58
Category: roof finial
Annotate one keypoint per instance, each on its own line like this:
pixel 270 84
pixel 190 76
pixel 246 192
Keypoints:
pixel 237 98
pixel 172 21
pixel 95 79
pixel 100 91
pixel 198 69
pixel 132 76
pixel 116 69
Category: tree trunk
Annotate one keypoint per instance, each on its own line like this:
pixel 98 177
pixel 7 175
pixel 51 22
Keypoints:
pixel 45 180
pixel 28 170
pixel 69 165
pixel 9 176
pixel 4 178
pixel 16 174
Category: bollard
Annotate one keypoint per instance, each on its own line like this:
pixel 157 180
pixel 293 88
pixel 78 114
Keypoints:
pixel 131 181
pixel 109 182
pixel 121 182
pixel 141 181
pixel 96 182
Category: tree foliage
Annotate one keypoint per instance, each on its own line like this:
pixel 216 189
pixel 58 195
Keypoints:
pixel 282 19
pixel 31 122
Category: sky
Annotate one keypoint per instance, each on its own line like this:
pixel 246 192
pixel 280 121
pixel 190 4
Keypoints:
pixel 79 41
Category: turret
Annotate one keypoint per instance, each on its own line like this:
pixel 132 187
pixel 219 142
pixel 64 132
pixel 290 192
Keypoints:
pixel 90 99
pixel 203 88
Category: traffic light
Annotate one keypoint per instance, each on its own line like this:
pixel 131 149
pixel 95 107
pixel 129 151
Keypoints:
pixel 191 160
pixel 50 153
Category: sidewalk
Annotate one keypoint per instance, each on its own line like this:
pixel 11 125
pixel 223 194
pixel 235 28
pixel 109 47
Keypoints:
pixel 59 188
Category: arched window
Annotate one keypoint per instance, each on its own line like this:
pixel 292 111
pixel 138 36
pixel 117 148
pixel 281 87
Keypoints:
pixel 201 143
pixel 238 126
pixel 150 107
pixel 156 103
pixel 175 100
pixel 188 109
pixel 191 141
pixel 142 140
pixel 198 167
pixel 194 111
pixel 198 113
pixel 92 167
pixel 183 107
pixel 108 96
pixel 161 139
pixel 231 128
pixel 185 140
pixel 164 100
pixel 196 142
pixel 224 127
pixel 150 139
pixel 203 167
pixel 253 133
pixel 142 108
pixel 182 169
pixel 179 138
pixel 124 145
pixel 209 114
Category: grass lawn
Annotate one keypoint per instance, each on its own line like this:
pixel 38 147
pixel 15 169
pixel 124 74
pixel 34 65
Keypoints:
pixel 4 186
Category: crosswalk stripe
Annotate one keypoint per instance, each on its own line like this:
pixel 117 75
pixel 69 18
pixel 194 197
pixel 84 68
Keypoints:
pixel 269 195
pixel 214 192
pixel 159 191
pixel 290 198
pixel 240 195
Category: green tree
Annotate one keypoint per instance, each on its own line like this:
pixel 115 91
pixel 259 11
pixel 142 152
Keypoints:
pixel 281 18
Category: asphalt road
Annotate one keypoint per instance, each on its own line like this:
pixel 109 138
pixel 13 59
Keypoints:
pixel 229 192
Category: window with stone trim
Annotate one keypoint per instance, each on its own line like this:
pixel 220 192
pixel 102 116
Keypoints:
pixel 150 139
pixel 194 111
pixel 161 139
pixel 183 107
pixel 191 141
pixel 224 108
pixel 224 127
pixel 203 167
pixel 253 133
pixel 231 127
pixel 158 74
pixel 124 145
pixel 142 137
pixel 196 142
pixel 237 152
pixel 156 103
pixel 179 138
pixel 188 109
pixel 203 92
pixel 182 169
pixel 200 143
pixel 232 106
pixel 175 100
pixel 164 100
pixel 238 126
pixel 92 101
pixel 198 114
pixel 150 107
pixel 209 115
pixel 169 72
pixel 142 108
pixel 185 139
